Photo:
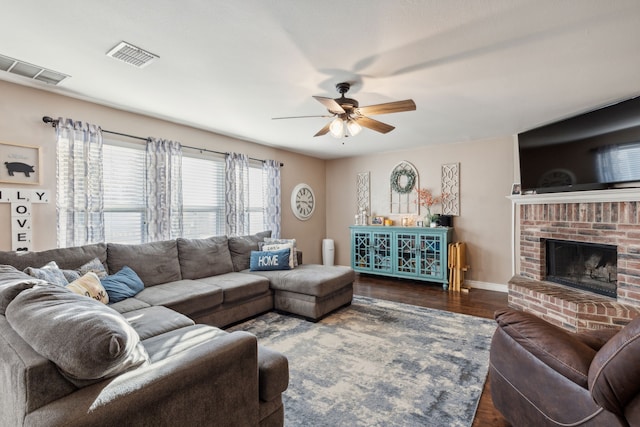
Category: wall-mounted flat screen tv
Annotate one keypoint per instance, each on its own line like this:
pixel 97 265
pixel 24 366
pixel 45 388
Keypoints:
pixel 596 150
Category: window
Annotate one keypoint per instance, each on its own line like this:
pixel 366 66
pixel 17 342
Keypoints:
pixel 202 196
pixel 255 191
pixel 124 192
pixel 203 190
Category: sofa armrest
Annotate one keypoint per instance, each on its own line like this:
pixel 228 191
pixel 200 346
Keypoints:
pixel 614 375
pixel 557 348
pixel 213 382
pixel 273 368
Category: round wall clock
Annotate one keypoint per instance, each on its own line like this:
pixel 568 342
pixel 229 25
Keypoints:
pixel 303 202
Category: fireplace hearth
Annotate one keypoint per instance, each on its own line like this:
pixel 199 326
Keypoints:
pixel 585 266
pixel 608 223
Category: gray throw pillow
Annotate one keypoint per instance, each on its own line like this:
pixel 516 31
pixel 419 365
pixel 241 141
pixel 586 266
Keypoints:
pixel 87 340
pixel 204 257
pixel 12 282
pixel 241 247
pixel 49 273
pixel 93 266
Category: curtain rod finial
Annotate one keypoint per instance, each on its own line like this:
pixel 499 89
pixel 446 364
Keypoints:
pixel 49 120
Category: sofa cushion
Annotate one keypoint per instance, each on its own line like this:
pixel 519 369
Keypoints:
pixel 155 263
pixel 87 340
pixel 66 258
pixel 129 304
pixel 124 284
pixel 270 260
pixel 241 247
pixel 89 285
pixel 152 321
pixel 238 286
pixel 12 282
pixel 184 296
pixel 161 347
pixel 50 272
pixel 204 257
pixel 559 350
pixel 310 279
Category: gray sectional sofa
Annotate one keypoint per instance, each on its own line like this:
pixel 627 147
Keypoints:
pixel 159 357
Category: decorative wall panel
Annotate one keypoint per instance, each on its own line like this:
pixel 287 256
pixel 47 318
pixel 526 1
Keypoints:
pixel 451 186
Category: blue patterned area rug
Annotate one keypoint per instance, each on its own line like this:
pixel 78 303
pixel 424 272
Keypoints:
pixel 380 363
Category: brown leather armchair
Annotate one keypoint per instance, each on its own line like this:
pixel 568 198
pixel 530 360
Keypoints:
pixel 542 375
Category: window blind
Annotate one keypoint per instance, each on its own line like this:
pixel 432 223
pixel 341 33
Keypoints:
pixel 202 196
pixel 124 192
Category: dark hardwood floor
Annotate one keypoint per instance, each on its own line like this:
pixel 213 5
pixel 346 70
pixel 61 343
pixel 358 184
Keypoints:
pixel 476 302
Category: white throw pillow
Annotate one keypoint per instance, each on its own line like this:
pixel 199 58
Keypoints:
pixel 89 285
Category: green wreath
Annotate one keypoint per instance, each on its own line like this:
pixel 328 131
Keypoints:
pixel 395 181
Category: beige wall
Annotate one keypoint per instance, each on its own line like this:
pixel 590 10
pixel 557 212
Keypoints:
pixel 21 111
pixel 486 176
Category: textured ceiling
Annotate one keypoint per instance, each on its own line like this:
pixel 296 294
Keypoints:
pixel 475 68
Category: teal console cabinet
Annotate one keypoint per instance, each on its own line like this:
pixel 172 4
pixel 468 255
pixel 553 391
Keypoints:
pixel 410 252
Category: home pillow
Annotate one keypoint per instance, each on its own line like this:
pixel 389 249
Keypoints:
pixel 49 273
pixel 277 247
pixel 89 285
pixel 12 282
pixel 86 339
pixel 270 260
pixel 122 285
pixel 272 240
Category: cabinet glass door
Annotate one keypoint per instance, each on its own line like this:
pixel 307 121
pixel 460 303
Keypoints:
pixel 381 251
pixel 406 253
pixel 362 250
pixel 431 255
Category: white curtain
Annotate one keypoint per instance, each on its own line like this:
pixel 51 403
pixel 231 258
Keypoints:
pixel 236 194
pixel 79 201
pixel 272 207
pixel 163 189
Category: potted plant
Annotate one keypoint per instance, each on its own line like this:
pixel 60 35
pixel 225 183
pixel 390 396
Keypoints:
pixel 427 199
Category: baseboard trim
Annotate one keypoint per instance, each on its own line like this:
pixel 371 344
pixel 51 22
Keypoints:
pixel 486 285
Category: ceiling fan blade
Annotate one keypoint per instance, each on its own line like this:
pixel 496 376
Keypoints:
pixel 298 117
pixel 374 125
pixel 324 130
pixel 331 104
pixel 389 107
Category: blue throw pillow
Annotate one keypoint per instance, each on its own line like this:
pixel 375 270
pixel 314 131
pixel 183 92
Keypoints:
pixel 122 285
pixel 270 260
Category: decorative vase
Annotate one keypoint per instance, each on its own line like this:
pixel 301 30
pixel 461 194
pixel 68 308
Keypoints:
pixel 433 224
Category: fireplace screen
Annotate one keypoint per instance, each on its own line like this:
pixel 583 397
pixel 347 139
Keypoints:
pixel 587 266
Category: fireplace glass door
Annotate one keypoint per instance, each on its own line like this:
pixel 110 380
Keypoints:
pixel 587 266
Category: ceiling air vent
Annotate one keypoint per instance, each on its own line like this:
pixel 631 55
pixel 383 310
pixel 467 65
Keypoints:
pixel 30 71
pixel 132 55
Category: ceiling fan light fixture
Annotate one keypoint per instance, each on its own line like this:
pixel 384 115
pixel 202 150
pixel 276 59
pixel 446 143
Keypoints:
pixel 353 127
pixel 337 128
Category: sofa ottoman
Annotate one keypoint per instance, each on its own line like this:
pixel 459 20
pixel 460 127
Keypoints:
pixel 310 290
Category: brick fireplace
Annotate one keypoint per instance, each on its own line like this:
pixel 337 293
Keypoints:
pixel 558 217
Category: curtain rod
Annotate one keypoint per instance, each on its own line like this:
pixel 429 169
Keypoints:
pixel 54 123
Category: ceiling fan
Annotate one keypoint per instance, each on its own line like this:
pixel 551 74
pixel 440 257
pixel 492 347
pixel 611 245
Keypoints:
pixel 350 118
